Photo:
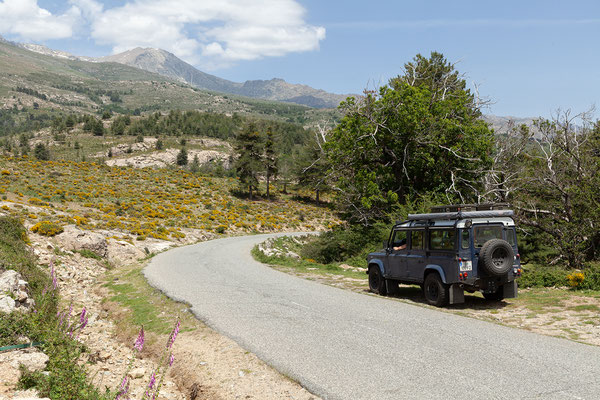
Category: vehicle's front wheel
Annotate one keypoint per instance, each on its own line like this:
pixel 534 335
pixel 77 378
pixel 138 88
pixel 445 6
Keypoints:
pixel 435 291
pixel 376 281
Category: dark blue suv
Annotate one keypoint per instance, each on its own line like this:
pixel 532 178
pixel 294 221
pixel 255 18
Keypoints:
pixel 452 249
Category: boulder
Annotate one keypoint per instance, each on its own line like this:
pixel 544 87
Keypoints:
pixel 76 239
pixel 7 304
pixel 120 253
pixel 9 281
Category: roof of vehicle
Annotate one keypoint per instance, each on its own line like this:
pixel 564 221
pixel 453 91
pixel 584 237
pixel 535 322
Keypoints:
pixel 445 223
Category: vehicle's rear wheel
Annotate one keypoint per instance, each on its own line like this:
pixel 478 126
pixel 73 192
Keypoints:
pixel 376 281
pixel 497 295
pixel 435 291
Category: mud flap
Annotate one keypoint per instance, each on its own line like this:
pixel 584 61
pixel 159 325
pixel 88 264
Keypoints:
pixel 510 289
pixel 457 294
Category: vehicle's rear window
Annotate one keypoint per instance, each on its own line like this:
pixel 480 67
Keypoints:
pixel 511 237
pixel 441 239
pixel 484 233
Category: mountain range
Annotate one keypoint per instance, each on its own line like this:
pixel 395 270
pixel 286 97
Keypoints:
pixel 167 64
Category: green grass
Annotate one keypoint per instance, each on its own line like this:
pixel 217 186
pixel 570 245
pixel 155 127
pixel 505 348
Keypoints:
pixel 303 265
pixel 142 301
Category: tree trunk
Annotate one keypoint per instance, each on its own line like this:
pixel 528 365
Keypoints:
pixel 268 179
pixel 317 196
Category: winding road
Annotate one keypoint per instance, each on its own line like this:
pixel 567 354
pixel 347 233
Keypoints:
pixel 345 345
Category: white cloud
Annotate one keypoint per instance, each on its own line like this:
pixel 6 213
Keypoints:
pixel 25 19
pixel 209 32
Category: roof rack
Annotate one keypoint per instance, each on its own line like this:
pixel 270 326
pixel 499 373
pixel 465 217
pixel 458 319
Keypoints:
pixel 470 207
pixel 455 215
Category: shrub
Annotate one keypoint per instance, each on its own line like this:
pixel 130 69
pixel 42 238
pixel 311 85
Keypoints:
pixel 575 279
pixel 543 276
pixel 342 243
pixel 591 275
pixel 47 228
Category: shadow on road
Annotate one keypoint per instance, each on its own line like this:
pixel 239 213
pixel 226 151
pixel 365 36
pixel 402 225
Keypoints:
pixel 472 301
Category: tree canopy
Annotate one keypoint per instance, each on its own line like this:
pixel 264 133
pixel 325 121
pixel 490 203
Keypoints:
pixel 414 136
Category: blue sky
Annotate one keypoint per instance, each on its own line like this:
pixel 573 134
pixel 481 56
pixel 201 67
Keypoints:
pixel 528 57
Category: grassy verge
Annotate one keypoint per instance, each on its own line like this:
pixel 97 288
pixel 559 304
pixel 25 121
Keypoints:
pixel 65 378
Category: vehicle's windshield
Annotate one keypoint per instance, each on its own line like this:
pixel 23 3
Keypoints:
pixel 484 233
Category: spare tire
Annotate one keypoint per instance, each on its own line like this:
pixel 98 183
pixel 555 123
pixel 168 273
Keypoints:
pixel 496 257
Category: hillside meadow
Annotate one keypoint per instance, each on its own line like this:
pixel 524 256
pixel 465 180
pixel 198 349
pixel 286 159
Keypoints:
pixel 141 203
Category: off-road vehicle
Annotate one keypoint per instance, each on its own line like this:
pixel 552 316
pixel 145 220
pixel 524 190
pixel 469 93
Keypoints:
pixel 452 249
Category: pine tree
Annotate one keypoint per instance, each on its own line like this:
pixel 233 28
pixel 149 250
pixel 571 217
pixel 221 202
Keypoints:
pixel 270 159
pixel 247 165
pixel 182 157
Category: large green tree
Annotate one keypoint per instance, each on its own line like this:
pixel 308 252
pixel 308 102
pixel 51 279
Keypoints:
pixel 419 134
pixel 271 159
pixel 248 162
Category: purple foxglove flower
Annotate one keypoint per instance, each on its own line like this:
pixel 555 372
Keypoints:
pixel 82 316
pixel 139 343
pixel 173 335
pixel 171 359
pixel 152 381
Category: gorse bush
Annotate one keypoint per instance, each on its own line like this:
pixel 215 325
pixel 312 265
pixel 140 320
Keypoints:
pixel 47 228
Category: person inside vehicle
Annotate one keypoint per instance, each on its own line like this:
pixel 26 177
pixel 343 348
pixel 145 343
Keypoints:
pixel 400 245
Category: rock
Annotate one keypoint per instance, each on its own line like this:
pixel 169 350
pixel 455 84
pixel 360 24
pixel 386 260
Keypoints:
pixel 137 373
pixel 9 281
pixel 122 253
pixel 156 245
pixel 77 239
pixel 168 157
pixel 22 296
pixel 7 304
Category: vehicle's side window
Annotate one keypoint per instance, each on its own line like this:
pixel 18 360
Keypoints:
pixel 399 240
pixel 417 240
pixel 441 239
pixel 465 239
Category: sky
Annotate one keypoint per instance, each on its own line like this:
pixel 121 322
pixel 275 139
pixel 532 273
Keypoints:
pixel 529 58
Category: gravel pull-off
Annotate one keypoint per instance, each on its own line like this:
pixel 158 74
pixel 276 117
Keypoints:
pixel 346 345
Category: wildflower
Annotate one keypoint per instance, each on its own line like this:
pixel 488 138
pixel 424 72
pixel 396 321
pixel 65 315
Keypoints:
pixel 173 335
pixel 152 380
pixel 53 275
pixel 124 389
pixel 82 316
pixel 171 359
pixel 139 343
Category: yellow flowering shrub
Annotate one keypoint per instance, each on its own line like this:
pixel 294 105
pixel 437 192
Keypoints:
pixel 47 228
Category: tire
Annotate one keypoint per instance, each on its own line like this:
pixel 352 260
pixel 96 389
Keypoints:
pixel 496 257
pixel 435 291
pixel 377 281
pixel 496 296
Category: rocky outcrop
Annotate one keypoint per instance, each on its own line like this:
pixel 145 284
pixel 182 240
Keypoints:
pixel 32 359
pixel 168 157
pixel 120 252
pixel 14 293
pixel 76 239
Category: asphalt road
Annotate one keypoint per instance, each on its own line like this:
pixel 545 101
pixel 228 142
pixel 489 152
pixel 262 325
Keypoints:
pixel 345 345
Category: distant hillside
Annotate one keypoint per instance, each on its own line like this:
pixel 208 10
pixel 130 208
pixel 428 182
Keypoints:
pixel 167 64
pixel 37 81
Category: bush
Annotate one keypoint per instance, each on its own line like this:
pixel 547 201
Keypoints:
pixel 47 228
pixel 543 276
pixel 591 277
pixel 342 243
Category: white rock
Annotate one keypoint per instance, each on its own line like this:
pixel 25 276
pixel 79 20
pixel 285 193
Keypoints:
pixel 7 304
pixel 9 281
pixel 77 239
pixel 137 373
pixel 122 253
pixel 33 360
